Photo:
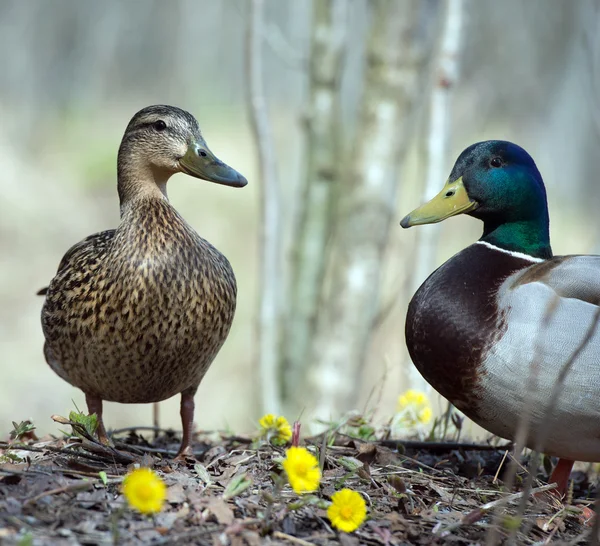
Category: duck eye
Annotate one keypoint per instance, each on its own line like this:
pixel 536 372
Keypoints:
pixel 159 125
pixel 496 162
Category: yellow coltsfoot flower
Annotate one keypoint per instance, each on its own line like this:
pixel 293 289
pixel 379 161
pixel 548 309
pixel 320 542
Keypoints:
pixel 144 490
pixel 348 510
pixel 302 469
pixel 414 408
pixel 276 429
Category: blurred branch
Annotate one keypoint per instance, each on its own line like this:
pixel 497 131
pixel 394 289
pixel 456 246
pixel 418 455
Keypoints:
pixel 446 72
pixel 270 231
pixel 591 40
pixel 367 202
pixel 282 48
pixel 330 20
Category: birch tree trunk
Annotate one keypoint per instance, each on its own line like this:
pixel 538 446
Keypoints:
pixel 330 20
pixel 367 204
pixel 270 227
pixel 446 74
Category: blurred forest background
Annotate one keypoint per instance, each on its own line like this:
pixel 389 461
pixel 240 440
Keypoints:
pixel 361 108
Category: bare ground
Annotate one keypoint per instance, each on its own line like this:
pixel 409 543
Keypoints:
pixel 418 494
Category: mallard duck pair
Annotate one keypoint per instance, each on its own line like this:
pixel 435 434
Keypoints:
pixel 498 325
pixel 138 313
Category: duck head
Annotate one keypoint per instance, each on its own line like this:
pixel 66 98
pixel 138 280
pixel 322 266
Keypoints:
pixel 163 140
pixel 497 182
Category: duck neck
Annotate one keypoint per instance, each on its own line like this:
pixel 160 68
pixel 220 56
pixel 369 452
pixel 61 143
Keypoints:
pixel 137 179
pixel 531 237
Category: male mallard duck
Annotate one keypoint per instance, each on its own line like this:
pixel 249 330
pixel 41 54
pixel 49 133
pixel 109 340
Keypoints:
pixel 480 321
pixel 137 314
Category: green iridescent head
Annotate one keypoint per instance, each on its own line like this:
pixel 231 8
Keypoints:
pixel 499 183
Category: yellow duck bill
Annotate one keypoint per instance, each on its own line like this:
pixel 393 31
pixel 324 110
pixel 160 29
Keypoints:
pixel 452 200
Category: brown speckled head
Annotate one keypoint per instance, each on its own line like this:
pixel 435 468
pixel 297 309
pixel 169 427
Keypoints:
pixel 163 140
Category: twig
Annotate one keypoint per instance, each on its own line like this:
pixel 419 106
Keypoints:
pixel 270 234
pixel 440 447
pixel 475 515
pixel 109 453
pixel 179 538
pixel 290 538
pixel 65 451
pixel 500 467
pixel 71 488
pixel 142 427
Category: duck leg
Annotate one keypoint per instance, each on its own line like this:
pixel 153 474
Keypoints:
pixel 187 421
pixel 560 476
pixel 94 404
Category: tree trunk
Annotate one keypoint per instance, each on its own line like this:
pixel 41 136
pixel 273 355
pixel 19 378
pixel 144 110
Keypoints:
pixel 270 227
pixel 330 20
pixel 446 73
pixel 367 203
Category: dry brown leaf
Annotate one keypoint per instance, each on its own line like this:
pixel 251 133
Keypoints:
pixel 371 453
pixel 252 538
pixel 176 494
pixel 221 510
pixel 348 540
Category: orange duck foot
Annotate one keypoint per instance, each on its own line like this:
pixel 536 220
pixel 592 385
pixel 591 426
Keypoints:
pixel 187 420
pixel 560 476
pixel 94 404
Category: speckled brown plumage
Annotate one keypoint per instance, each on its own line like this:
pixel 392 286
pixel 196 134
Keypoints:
pixel 137 314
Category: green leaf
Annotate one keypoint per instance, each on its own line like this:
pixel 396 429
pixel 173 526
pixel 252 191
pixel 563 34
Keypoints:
pixel 350 463
pixel 511 523
pixel 10 457
pixel 103 477
pixel 237 486
pixel 89 422
pixel 26 540
pixel 19 430
pixel 202 473
pixel 366 432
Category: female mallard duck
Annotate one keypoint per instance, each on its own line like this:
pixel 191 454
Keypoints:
pixel 478 324
pixel 137 314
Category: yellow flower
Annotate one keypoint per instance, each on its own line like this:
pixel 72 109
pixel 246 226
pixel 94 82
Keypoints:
pixel 144 490
pixel 425 415
pixel 414 408
pixel 348 510
pixel 412 398
pixel 276 429
pixel 302 469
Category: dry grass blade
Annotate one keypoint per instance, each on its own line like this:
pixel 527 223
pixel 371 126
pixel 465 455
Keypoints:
pixel 71 488
pixel 475 515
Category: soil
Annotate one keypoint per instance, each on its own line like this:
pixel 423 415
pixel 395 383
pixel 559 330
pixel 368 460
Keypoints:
pixel 66 491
